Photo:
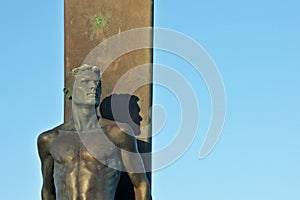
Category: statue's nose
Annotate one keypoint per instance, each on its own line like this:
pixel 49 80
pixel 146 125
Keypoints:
pixel 93 85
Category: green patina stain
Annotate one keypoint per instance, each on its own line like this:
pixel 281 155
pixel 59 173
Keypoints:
pixel 98 20
pixel 97 24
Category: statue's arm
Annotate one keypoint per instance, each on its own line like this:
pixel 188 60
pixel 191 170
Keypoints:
pixel 47 163
pixel 134 166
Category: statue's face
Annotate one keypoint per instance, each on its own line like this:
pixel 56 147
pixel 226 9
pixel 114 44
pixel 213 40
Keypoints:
pixel 87 88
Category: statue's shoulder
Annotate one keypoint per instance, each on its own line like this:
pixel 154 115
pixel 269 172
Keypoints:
pixel 106 122
pixel 121 134
pixel 49 135
pixel 116 126
pixel 45 141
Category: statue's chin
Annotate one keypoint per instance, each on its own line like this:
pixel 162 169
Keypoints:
pixel 91 103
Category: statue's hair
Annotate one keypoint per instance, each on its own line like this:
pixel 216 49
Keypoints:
pixel 70 77
pixel 85 67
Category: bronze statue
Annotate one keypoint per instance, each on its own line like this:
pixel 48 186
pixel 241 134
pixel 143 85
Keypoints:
pixel 83 158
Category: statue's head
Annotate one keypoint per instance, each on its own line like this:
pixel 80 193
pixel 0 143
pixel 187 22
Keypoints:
pixel 83 85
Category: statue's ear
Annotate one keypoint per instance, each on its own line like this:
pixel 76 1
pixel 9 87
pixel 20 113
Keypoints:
pixel 68 93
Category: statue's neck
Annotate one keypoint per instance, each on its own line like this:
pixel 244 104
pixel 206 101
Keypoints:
pixel 84 117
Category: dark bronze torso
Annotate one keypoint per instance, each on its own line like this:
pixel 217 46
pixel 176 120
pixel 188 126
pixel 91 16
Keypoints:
pixel 77 174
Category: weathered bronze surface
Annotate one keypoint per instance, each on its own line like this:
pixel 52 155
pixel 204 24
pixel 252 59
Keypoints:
pixel 70 170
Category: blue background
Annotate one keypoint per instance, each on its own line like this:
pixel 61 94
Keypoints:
pixel 256 46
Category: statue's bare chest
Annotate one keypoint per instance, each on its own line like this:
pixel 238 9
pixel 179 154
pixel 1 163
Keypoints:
pixel 65 147
pixel 69 147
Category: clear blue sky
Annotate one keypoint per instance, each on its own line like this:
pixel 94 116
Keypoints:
pixel 256 46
